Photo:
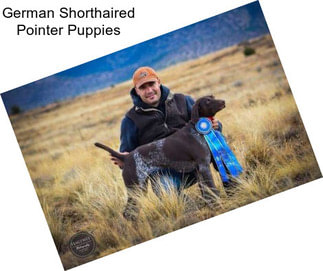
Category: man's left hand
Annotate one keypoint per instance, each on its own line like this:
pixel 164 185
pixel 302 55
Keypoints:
pixel 215 124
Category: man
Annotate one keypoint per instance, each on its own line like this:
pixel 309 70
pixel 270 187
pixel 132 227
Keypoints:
pixel 157 113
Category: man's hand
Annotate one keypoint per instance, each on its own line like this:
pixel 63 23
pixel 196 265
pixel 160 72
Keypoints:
pixel 117 161
pixel 215 124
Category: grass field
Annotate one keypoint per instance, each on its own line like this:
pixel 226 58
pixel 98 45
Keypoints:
pixel 81 190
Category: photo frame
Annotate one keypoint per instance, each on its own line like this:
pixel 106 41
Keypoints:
pixel 69 172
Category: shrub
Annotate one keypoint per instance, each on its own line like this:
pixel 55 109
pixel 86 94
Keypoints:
pixel 15 109
pixel 248 51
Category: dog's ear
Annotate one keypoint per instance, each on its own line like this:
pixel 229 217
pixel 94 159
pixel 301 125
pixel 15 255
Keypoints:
pixel 195 115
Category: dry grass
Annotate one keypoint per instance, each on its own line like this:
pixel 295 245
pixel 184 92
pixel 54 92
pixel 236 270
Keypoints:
pixel 81 190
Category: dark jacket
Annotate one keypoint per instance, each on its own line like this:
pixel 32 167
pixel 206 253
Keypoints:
pixel 143 124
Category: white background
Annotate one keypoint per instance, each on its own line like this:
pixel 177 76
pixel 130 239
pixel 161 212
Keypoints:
pixel 283 232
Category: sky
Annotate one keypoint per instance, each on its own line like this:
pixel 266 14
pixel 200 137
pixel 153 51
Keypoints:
pixel 187 43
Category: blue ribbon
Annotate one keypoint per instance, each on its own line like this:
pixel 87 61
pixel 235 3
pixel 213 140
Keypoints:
pixel 222 154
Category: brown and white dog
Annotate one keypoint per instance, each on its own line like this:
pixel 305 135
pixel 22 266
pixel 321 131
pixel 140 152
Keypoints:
pixel 184 151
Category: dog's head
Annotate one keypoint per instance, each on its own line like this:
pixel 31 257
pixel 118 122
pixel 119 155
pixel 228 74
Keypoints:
pixel 206 106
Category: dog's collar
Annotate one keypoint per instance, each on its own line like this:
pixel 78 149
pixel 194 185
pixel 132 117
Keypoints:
pixel 210 118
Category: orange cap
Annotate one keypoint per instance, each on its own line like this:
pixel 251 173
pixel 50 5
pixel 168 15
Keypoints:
pixel 143 75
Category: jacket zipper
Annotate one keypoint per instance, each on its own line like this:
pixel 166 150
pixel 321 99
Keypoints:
pixel 166 104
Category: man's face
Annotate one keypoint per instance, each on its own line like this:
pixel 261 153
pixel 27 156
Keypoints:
pixel 150 93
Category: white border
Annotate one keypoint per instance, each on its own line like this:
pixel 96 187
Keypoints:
pixel 281 232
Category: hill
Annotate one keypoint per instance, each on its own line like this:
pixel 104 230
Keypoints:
pixel 186 43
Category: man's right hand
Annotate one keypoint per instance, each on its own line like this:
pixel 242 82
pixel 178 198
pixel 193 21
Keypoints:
pixel 117 161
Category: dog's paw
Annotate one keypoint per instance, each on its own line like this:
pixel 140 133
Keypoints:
pixel 130 215
pixel 210 203
pixel 229 188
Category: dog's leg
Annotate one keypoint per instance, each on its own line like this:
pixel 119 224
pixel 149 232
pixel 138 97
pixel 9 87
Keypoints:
pixel 206 183
pixel 156 186
pixel 132 208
